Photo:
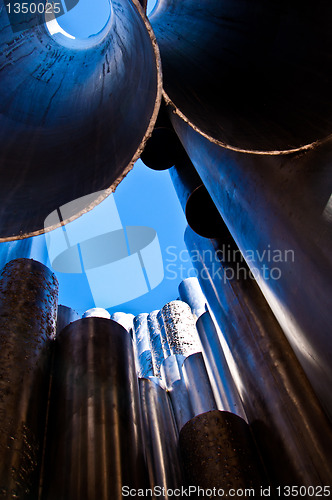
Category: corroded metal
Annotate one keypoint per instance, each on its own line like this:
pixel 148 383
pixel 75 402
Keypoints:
pixel 224 387
pixel 276 208
pixel 96 312
pixel 161 437
pixel 95 439
pixel 28 305
pixel 61 148
pixel 142 346
pixel 287 420
pixel 65 316
pixel 155 342
pixel 247 77
pixel 191 293
pixel 218 452
pixel 180 328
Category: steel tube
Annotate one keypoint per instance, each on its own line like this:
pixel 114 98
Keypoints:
pixel 96 312
pixel 277 210
pixel 288 422
pixel 218 452
pixel 155 342
pixel 75 115
pixel 142 346
pixel 246 75
pixel 180 328
pixel 65 316
pixel 124 319
pixel 161 437
pixel 225 390
pixel 28 305
pixel 95 439
pixel 191 293
pixel 200 211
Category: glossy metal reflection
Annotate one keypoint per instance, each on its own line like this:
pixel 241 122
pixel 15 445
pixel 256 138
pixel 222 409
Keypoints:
pixel 94 441
pixel 180 328
pixel 191 293
pixel 288 422
pixel 75 115
pixel 96 312
pixel 28 305
pixel 155 342
pixel 161 437
pixel 142 346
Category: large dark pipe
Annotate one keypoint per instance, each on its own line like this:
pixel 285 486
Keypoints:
pixel 249 75
pixel 219 456
pixel 290 427
pixel 65 316
pixel 75 115
pixel 94 439
pixel 28 305
pixel 278 210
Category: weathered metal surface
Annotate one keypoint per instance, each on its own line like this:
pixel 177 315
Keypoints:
pixel 191 293
pixel 142 345
pixel 224 387
pixel 218 452
pixel 155 342
pixel 277 210
pixel 252 77
pixel 75 115
pixel 65 316
pixel 95 439
pixel 96 312
pixel 288 422
pixel 28 305
pixel 161 438
pixel 180 328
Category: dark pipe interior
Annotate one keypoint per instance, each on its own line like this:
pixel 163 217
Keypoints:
pixel 254 75
pixel 74 115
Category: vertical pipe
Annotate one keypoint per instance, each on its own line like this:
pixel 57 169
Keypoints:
pixel 161 438
pixel 96 312
pixel 124 319
pixel 155 342
pixel 191 293
pixel 288 422
pixel 94 440
pixel 198 384
pixel 65 316
pixel 28 305
pixel 143 352
pixel 164 341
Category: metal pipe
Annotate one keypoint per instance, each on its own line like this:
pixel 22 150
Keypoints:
pixel 96 312
pixel 198 384
pixel 247 77
pixel 124 319
pixel 180 328
pixel 200 211
pixel 28 305
pixel 287 420
pixel 164 341
pixel 80 111
pixel 276 208
pixel 95 439
pixel 142 346
pixel 224 387
pixel 191 293
pixel 161 438
pixel 65 316
pixel 218 453
pixel 155 342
